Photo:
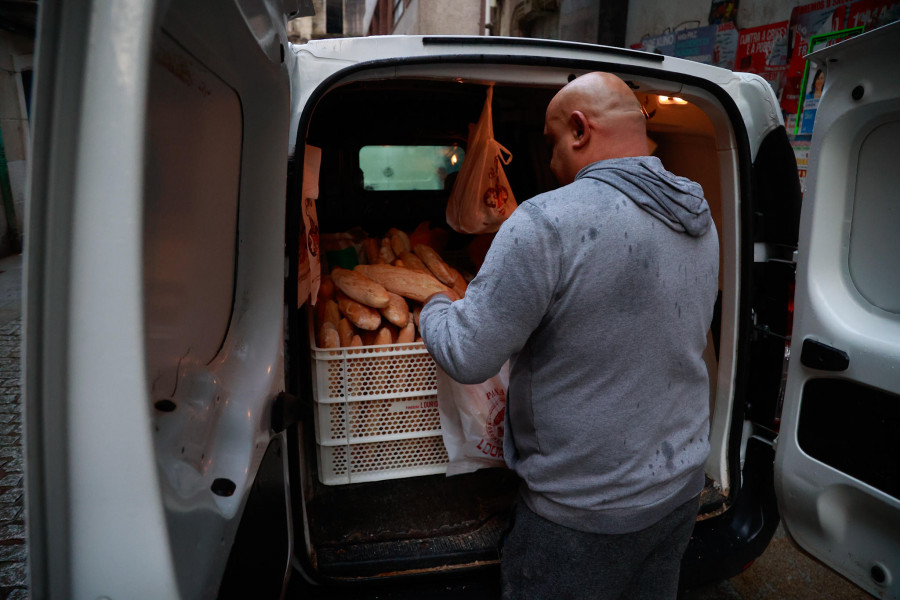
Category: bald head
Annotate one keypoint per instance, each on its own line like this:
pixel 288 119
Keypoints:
pixel 594 117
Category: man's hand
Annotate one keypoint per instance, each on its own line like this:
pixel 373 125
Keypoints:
pixel 453 296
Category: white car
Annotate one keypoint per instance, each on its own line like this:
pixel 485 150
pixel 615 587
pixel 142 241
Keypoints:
pixel 185 436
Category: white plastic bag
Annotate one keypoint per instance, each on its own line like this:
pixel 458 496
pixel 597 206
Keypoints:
pixel 472 421
pixel 481 198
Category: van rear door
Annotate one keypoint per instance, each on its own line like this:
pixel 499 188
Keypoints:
pixel 837 473
pixel 154 295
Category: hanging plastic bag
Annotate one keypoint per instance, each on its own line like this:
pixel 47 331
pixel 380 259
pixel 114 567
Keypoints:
pixel 309 275
pixel 481 198
pixel 472 421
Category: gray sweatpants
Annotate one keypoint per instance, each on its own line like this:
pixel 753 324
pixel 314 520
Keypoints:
pixel 541 560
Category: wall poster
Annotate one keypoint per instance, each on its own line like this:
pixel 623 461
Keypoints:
pixel 814 79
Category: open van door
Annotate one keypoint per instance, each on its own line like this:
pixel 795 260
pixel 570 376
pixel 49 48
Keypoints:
pixel 837 469
pixel 154 289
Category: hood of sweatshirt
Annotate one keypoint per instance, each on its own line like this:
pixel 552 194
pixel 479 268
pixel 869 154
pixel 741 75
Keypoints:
pixel 676 201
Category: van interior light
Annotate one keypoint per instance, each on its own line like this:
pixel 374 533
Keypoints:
pixel 671 100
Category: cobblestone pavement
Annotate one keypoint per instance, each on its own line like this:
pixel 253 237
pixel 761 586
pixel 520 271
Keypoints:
pixel 12 512
pixel 782 573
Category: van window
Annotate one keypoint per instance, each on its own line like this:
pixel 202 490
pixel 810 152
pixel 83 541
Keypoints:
pixel 391 168
pixel 874 243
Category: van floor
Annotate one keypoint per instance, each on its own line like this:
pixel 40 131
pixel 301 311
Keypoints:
pixel 367 529
pixel 435 522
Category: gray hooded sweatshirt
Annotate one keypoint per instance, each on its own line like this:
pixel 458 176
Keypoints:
pixel 600 293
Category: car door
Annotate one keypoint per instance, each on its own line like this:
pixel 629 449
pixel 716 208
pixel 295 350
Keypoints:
pixel 154 289
pixel 837 473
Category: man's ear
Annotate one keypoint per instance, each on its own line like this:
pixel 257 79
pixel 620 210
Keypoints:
pixel 581 129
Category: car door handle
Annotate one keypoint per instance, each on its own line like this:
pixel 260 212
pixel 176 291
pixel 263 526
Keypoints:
pixel 823 357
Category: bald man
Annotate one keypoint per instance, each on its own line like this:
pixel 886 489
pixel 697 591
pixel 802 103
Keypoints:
pixel 600 293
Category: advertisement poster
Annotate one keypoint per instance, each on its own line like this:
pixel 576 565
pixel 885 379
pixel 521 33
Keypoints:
pixel 872 13
pixel 663 43
pixel 817 18
pixel 801 154
pixel 697 44
pixel 723 11
pixel 725 51
pixel 711 45
pixel 814 80
pixel 764 50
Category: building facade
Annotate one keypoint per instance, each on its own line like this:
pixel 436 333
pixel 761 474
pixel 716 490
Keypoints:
pixel 17 30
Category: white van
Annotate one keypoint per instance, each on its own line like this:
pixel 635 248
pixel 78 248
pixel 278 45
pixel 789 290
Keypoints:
pixel 178 409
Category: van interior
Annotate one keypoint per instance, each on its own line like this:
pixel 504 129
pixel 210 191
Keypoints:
pixel 227 135
pixel 373 526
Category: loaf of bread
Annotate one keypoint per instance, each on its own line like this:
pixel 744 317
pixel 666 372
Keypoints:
pixel 360 288
pixel 411 261
pixel 326 288
pixel 407 334
pixel 435 264
pixel 384 336
pixel 405 282
pixel 332 313
pixel 345 331
pixel 385 253
pixel 328 336
pixel 397 311
pixel 364 317
pixel 402 241
pixel 459 286
pixel 370 248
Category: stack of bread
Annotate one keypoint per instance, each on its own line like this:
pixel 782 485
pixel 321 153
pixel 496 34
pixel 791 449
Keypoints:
pixel 378 302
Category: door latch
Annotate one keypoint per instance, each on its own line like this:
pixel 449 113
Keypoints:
pixel 823 357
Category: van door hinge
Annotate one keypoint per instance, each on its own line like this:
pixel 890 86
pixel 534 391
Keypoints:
pixel 762 331
pixel 763 252
pixel 286 412
pixel 823 357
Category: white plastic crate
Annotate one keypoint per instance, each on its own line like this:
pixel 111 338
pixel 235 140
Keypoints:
pixel 376 413
pixel 375 461
pixel 377 420
pixel 374 372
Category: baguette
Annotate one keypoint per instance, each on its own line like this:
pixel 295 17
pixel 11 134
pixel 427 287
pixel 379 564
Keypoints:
pixel 332 313
pixel 356 341
pixel 345 331
pixel 371 247
pixel 413 262
pixel 396 312
pixel 364 317
pixel 417 310
pixel 383 337
pixel 326 288
pixel 397 245
pixel 328 336
pixel 435 264
pixel 405 282
pixel 325 313
pixel 459 286
pixel 360 288
pixel 399 241
pixel 407 334
pixel 385 252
